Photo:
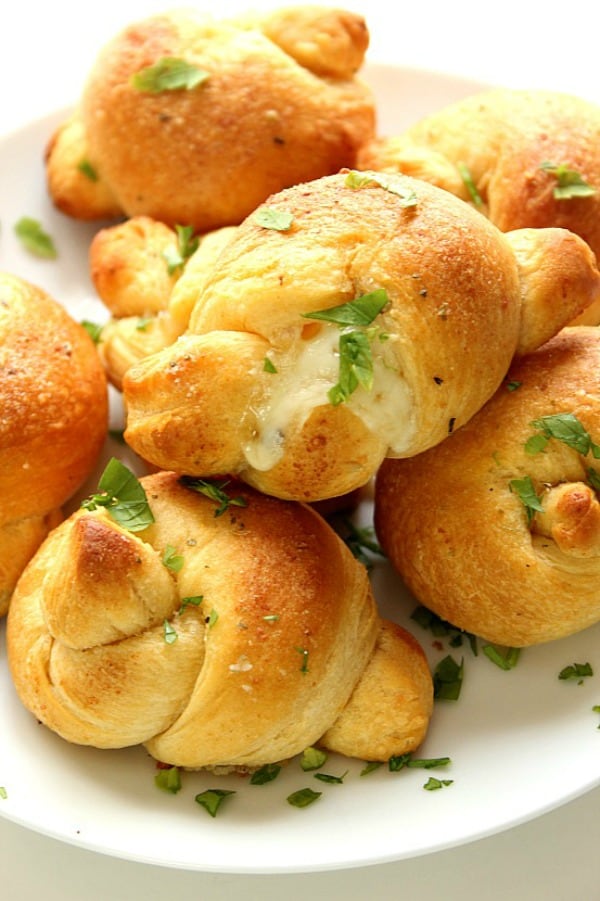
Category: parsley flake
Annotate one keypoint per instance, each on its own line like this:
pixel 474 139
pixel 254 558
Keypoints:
pixel 565 427
pixel 33 237
pixel 447 679
pixel 303 797
pixel 171 560
pixel 93 329
pixel 569 183
pixel 123 496
pixel 214 491
pixel 504 657
pixel 392 183
pixel 169 74
pixel 86 168
pixel 265 774
pixel 433 784
pixel 3 793
pixel 465 174
pixel 525 491
pixel 187 245
pixel 168 779
pixel 278 220
pixel 169 633
pixel 312 758
pixel 212 798
pixel 578 671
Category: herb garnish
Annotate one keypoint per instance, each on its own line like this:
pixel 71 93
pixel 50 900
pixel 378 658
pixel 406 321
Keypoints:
pixel 171 560
pixel 93 329
pixel 212 798
pixel 168 779
pixel 359 539
pixel 169 74
pixel 194 600
pixel 169 632
pixel 391 183
pixel 3 793
pixel 187 245
pixel 312 758
pixel 278 220
pixel 399 761
pixel 265 774
pixel 370 767
pixel 332 780
pixel 569 182
pixel 441 628
pixel 86 168
pixel 565 427
pixel 465 174
pixel 214 491
pixel 433 784
pixel 504 657
pixel 269 366
pixel 33 237
pixel 123 496
pixel 447 679
pixel 356 361
pixel 304 652
pixel 303 797
pixel 578 671
pixel 525 490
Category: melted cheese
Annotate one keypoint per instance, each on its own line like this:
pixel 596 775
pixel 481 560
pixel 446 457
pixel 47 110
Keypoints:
pixel 301 384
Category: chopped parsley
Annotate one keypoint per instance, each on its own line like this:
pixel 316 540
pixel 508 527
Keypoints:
pixel 304 652
pixel 303 797
pixel 86 168
pixel 433 784
pixel 214 491
pixel 194 600
pixel 169 632
pixel 169 74
pixel 576 671
pixel 3 793
pixel 447 679
pixel 465 174
pixel 277 220
pixel 332 780
pixel 212 798
pixel 370 767
pixel 93 329
pixel 312 758
pixel 565 427
pixel 569 183
pixel 441 628
pixel 168 779
pixel 525 491
pixel 398 762
pixel 32 236
pixel 265 774
pixel 392 183
pixel 504 657
pixel 356 360
pixel 123 496
pixel 171 560
pixel 269 366
pixel 187 245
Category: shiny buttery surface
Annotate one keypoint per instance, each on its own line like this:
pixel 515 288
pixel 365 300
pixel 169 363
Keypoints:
pixel 556 731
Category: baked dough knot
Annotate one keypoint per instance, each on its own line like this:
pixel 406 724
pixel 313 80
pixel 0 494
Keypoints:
pixel 524 158
pixel 194 120
pixel 53 419
pixel 376 321
pixel 497 530
pixel 235 639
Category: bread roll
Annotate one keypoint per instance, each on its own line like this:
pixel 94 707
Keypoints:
pixel 277 102
pixel 455 526
pixel 510 149
pixel 149 298
pixel 53 419
pixel 250 388
pixel 235 639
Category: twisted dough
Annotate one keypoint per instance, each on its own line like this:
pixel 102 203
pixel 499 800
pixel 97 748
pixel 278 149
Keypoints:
pixel 456 529
pixel 245 389
pixel 280 104
pixel 53 419
pixel 504 138
pixel 281 647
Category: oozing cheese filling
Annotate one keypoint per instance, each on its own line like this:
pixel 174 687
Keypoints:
pixel 301 383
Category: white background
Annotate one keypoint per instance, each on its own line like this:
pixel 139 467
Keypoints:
pixel 45 53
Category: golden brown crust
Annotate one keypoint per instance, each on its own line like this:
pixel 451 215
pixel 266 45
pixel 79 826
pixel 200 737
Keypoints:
pixel 504 137
pixel 53 417
pixel 259 670
pixel 262 120
pixel 150 299
pixel 459 305
pixel 459 534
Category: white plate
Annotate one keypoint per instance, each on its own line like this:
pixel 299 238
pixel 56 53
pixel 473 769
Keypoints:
pixel 521 742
